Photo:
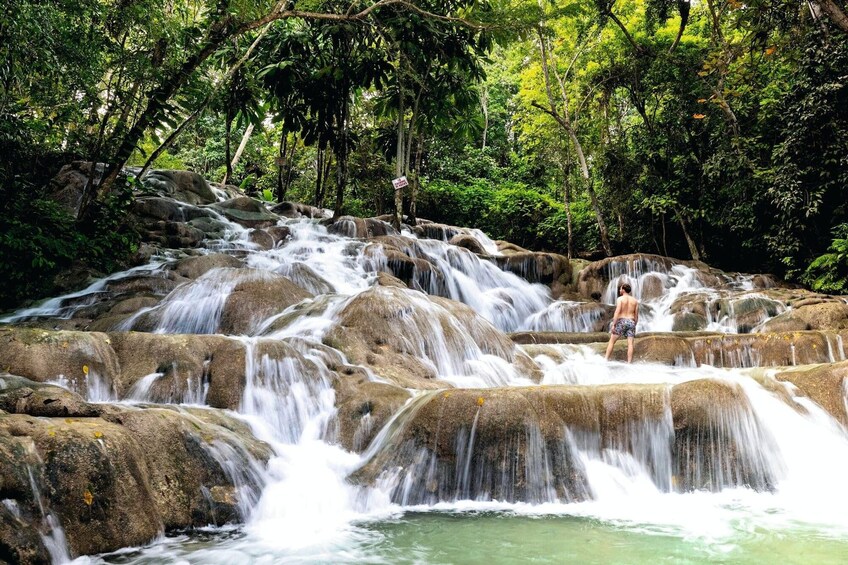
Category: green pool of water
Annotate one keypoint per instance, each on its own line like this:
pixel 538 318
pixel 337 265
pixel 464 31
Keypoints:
pixel 435 538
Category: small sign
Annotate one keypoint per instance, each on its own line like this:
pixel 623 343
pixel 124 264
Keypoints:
pixel 400 182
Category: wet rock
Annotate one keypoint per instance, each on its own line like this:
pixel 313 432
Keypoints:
pixel 123 478
pixel 46 355
pixel 544 268
pixel 24 396
pixel 350 226
pixel 469 242
pixel 747 311
pixel 246 211
pixel 558 337
pixel 186 363
pixel 364 407
pixel 385 279
pixel 435 331
pixel 256 299
pixel 159 208
pixel 306 278
pixel 823 316
pixel 786 322
pixel 158 284
pixel 594 277
pixel 688 322
pixel 261 238
pixel 67 187
pixel 658 349
pixel 297 210
pixel 824 384
pixel 173 235
pixel 212 228
pixel 20 543
pixel 279 233
pixel 436 231
pixel 185 186
pixel 508 248
pixel 718 441
pixel 195 267
pixel 570 316
pixel 653 287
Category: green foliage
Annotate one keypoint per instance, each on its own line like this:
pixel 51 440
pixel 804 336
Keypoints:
pixel 39 240
pixel 829 272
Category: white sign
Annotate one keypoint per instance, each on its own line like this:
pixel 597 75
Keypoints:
pixel 400 182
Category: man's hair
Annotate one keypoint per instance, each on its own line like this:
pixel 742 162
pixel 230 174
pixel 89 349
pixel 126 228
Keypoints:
pixel 626 287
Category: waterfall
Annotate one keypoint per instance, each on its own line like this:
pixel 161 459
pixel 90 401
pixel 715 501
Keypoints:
pixel 700 446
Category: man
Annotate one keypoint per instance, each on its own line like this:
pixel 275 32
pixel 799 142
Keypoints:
pixel 624 320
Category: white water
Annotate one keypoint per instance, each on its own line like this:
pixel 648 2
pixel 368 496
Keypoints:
pixel 309 511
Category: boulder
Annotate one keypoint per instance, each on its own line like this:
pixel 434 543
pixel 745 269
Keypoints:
pixel 185 186
pixel 80 359
pixel 436 231
pixel 469 242
pixel 255 299
pixel 246 211
pixel 279 233
pixel 195 267
pixel 544 268
pixel 824 384
pixel 67 187
pixel 688 322
pixel 261 238
pixel 297 210
pixel 159 208
pixel 439 336
pixel 786 322
pixel 823 316
pixel 364 407
pixel 116 476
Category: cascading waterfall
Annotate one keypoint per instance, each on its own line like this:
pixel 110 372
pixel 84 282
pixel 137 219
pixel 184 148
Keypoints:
pixel 759 459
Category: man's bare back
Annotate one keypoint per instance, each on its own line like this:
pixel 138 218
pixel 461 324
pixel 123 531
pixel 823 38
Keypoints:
pixel 626 307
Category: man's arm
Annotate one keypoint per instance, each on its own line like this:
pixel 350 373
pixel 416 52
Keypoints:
pixel 618 309
pixel 636 313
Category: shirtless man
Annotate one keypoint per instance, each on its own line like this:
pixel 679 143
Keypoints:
pixel 624 320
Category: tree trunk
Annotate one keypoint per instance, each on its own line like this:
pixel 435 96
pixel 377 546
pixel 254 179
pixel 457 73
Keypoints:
pixel 683 7
pixel 342 157
pixel 170 139
pixel 399 153
pixel 244 139
pixel 567 202
pixel 318 201
pixel 693 249
pixel 565 122
pixel 281 164
pixel 227 150
pixel 484 103
pixel 835 13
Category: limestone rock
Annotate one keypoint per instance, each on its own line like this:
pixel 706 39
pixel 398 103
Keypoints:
pixel 255 299
pixel 246 211
pixel 469 242
pixel 185 186
pixel 195 267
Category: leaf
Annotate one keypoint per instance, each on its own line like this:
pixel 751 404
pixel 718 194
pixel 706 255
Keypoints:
pixel 85 370
pixel 87 497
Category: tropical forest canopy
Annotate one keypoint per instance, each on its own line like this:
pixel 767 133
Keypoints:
pixel 714 130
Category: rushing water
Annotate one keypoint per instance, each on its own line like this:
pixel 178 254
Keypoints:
pixel 628 509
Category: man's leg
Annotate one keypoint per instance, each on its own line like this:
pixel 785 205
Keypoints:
pixel 630 341
pixel 612 340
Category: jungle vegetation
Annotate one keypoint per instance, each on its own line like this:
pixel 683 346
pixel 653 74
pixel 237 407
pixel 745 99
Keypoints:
pixel 714 130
